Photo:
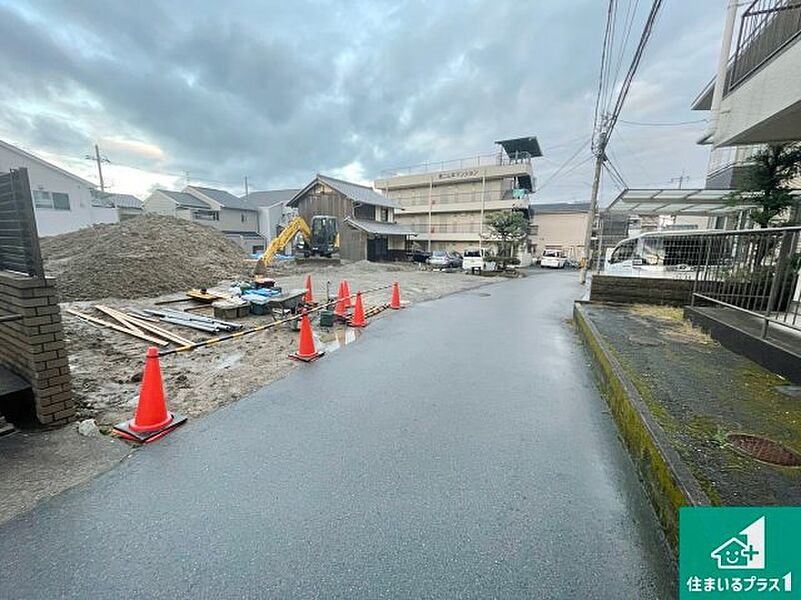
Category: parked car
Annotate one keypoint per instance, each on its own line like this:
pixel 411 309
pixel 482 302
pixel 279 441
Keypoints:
pixel 443 259
pixel 474 259
pixel 417 255
pixel 553 259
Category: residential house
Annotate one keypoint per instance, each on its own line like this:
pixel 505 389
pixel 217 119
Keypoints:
pixel 447 203
pixel 127 206
pixel 274 214
pixel 559 226
pixel 222 210
pixel 62 201
pixel 366 219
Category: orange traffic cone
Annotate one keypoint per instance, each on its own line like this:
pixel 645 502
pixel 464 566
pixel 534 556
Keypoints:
pixel 358 313
pixel 308 298
pixel 346 293
pixel 395 303
pixel 151 419
pixel 306 350
pixel 340 309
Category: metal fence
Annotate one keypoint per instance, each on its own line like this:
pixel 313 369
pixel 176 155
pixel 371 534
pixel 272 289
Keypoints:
pixel 19 241
pixel 756 272
pixel 766 27
pixel 483 160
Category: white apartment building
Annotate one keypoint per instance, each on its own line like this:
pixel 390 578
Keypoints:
pixel 756 96
pixel 446 203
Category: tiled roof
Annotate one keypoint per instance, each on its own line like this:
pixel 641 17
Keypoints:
pixel 124 200
pixel 358 193
pixel 379 227
pixel 269 197
pixel 225 199
pixel 559 208
pixel 184 199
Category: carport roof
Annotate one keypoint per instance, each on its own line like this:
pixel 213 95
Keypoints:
pixel 697 202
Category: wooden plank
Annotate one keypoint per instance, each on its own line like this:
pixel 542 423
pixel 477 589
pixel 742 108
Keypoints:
pixel 156 330
pixel 138 325
pixel 118 317
pixel 91 319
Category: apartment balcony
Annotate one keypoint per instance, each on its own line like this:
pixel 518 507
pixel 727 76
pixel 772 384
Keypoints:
pixel 762 93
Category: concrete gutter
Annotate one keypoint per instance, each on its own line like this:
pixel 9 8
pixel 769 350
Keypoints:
pixel 667 478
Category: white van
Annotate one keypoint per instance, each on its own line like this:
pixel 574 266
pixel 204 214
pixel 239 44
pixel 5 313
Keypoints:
pixel 553 259
pixel 668 254
pixel 473 259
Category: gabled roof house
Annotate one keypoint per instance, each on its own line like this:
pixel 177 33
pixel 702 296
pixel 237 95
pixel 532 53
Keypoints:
pixel 367 227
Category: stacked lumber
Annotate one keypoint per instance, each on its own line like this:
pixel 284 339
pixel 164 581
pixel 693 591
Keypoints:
pixel 138 326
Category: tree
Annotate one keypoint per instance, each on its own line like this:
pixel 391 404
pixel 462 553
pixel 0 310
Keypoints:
pixel 766 183
pixel 509 227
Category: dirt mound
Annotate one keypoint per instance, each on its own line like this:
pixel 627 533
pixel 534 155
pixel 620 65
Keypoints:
pixel 145 256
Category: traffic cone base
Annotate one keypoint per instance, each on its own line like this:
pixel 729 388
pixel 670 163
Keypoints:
pixel 124 430
pixel 151 418
pixel 310 358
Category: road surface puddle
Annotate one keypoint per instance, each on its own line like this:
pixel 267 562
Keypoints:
pixel 336 338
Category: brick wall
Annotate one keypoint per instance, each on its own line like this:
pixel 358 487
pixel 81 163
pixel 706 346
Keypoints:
pixel 33 347
pixel 641 290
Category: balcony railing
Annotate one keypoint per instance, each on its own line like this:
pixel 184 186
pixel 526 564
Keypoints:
pixel 484 160
pixel 766 27
pixel 444 228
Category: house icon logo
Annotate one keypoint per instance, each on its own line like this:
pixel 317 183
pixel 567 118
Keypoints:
pixel 746 550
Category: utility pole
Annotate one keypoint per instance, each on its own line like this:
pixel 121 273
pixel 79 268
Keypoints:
pixel 100 160
pixel 681 179
pixel 246 188
pixel 600 156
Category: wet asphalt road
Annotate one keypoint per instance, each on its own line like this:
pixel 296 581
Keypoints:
pixel 457 449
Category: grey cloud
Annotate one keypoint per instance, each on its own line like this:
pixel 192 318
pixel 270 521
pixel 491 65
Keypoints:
pixel 281 90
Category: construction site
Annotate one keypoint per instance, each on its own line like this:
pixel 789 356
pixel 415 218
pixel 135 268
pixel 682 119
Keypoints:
pixel 129 286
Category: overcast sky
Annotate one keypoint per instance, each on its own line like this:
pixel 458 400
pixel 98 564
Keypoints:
pixel 279 91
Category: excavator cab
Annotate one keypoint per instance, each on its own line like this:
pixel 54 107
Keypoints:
pixel 324 236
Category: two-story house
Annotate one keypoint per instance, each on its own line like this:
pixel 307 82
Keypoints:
pixel 367 227
pixel 237 219
pixel 62 201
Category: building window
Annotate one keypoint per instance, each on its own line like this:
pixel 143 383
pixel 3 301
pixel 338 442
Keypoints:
pixel 243 217
pixel 206 215
pixel 52 200
pixel 385 215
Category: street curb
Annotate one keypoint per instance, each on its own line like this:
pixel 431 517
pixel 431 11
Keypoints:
pixel 666 477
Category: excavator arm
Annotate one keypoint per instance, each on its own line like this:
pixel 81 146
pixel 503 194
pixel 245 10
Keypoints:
pixel 282 239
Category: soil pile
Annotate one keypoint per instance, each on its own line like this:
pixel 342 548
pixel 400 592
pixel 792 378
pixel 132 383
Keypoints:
pixel 145 256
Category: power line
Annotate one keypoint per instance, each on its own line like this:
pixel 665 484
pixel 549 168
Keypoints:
pixel 602 133
pixel 564 164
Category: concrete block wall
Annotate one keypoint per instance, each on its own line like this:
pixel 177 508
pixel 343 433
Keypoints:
pixel 33 347
pixel 641 290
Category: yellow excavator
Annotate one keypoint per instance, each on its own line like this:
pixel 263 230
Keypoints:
pixel 321 239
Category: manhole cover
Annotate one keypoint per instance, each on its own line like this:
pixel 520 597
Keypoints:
pixel 764 449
